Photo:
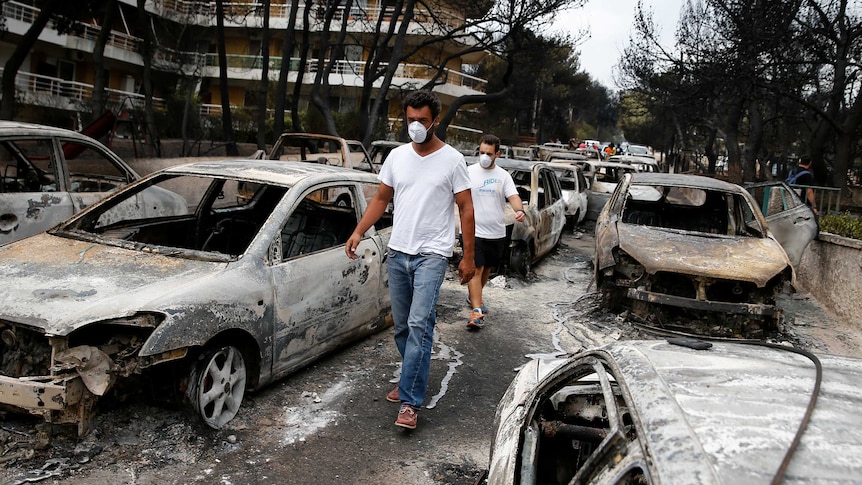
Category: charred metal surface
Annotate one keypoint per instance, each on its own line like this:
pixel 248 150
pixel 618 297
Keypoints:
pixel 34 207
pixel 732 258
pixel 696 304
pixel 553 429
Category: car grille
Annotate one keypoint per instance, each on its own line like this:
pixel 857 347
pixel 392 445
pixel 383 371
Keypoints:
pixel 730 291
pixel 23 351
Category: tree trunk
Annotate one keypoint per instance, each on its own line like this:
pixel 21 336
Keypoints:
pixel 147 81
pixel 264 80
pixel 99 99
pixel 303 61
pixel 286 53
pixel 226 121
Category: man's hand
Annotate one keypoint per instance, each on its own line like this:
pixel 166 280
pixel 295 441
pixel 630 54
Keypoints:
pixel 466 270
pixel 352 244
pixel 520 215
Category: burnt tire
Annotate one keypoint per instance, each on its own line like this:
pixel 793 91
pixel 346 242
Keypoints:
pixel 519 260
pixel 217 385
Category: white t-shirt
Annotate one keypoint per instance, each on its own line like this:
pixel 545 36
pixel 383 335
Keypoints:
pixel 425 188
pixel 491 189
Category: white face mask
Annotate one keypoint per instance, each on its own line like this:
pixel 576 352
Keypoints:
pixel 417 132
pixel 485 161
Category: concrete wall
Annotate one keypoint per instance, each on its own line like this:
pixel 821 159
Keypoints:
pixel 831 270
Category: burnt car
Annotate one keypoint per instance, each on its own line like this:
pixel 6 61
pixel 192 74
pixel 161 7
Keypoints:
pixel 545 210
pixel 247 285
pixel 575 192
pixel 603 178
pixel 48 174
pixel 695 244
pixel 649 412
pixel 319 148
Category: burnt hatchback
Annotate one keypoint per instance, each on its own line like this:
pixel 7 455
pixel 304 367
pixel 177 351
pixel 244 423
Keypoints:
pixel 244 283
pixel 694 244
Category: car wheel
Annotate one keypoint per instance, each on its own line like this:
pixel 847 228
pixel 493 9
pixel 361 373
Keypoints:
pixel 519 260
pixel 217 385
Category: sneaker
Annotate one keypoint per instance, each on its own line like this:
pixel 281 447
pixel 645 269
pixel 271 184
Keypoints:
pixel 483 307
pixel 393 395
pixel 477 319
pixel 407 417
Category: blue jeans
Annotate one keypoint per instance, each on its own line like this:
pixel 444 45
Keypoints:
pixel 414 286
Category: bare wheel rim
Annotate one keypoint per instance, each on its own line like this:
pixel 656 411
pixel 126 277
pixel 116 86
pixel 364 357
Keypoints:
pixel 221 386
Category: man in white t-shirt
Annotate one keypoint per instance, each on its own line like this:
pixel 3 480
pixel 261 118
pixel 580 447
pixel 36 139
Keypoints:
pixel 426 179
pixel 491 187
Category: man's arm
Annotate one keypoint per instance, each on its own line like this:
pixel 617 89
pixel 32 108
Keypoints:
pixel 467 268
pixel 518 206
pixel 376 207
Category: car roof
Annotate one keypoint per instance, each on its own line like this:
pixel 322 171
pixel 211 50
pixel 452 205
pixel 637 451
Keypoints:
pixel 13 128
pixel 685 180
pixel 271 171
pixel 735 408
pixel 516 164
pixel 610 164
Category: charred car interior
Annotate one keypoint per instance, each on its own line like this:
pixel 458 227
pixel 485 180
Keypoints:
pixel 579 423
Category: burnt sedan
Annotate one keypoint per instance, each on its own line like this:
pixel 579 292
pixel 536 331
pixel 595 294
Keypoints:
pixel 650 412
pixel 694 244
pixel 246 284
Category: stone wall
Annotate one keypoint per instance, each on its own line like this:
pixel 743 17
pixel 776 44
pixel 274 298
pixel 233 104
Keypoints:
pixel 831 270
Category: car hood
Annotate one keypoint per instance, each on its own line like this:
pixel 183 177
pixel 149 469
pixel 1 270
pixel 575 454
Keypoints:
pixel 59 284
pixel 752 259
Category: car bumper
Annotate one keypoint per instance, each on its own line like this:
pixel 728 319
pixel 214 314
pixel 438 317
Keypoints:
pixel 707 305
pixel 58 400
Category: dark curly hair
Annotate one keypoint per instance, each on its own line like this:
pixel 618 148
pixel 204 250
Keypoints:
pixel 420 99
pixel 492 140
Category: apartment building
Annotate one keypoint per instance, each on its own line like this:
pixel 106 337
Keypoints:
pixel 59 71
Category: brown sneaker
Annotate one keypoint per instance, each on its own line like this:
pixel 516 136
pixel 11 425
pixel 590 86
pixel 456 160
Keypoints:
pixel 393 395
pixel 407 417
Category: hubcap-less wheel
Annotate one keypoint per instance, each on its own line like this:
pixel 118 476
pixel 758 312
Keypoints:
pixel 219 385
pixel 520 260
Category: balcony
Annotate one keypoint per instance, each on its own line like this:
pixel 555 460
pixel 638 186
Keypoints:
pixel 70 95
pixel 250 68
pixel 359 18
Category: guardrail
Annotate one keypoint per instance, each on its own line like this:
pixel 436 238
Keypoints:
pixel 827 199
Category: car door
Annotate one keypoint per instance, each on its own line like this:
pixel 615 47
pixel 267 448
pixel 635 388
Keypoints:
pixel 32 196
pixel 790 221
pixel 323 299
pixel 92 172
pixel 551 209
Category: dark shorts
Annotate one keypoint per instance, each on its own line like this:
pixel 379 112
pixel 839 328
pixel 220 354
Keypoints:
pixel 489 252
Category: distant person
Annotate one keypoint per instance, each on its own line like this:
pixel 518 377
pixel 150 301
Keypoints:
pixel 426 178
pixel 804 175
pixel 491 187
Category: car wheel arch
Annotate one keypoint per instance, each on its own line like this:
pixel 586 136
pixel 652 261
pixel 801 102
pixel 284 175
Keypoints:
pixel 245 343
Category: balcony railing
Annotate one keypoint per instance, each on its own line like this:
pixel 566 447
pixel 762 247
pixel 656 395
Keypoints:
pixel 28 13
pixel 356 68
pixel 356 14
pixel 38 86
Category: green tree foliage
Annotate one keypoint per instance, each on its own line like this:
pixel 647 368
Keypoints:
pixel 554 99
